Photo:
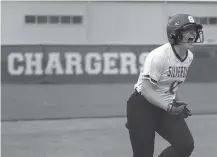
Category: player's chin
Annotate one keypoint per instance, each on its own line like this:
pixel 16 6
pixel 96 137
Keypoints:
pixel 189 45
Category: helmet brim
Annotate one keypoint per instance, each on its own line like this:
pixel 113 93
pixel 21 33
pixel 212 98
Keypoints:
pixel 198 26
pixel 190 26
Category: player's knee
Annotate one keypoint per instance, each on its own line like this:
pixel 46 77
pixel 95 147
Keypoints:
pixel 185 149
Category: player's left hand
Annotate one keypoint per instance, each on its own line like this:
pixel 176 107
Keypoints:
pixel 186 112
pixel 179 108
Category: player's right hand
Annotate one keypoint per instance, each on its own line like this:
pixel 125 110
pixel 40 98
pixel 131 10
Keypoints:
pixel 178 108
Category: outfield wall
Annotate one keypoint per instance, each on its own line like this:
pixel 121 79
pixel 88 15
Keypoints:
pixel 42 82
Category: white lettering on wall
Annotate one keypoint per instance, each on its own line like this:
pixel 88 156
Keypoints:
pixel 128 60
pixel 73 60
pixel 33 63
pixel 12 58
pixel 110 63
pixel 54 63
pixel 93 58
pixel 73 63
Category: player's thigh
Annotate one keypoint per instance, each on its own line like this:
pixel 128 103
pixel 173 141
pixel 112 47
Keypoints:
pixel 141 114
pixel 141 117
pixel 175 130
pixel 141 123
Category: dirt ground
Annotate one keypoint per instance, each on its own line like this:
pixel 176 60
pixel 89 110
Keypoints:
pixel 98 137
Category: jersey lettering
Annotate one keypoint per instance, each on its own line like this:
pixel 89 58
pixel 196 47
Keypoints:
pixel 177 71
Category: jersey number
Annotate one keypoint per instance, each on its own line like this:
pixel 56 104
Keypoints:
pixel 173 87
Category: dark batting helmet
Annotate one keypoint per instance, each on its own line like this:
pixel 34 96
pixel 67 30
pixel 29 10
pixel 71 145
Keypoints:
pixel 183 22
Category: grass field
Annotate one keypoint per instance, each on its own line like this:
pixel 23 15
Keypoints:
pixel 99 137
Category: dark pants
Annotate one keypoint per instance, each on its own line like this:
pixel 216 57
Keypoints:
pixel 144 119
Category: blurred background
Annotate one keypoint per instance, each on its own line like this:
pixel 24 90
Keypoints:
pixel 68 68
pixel 72 59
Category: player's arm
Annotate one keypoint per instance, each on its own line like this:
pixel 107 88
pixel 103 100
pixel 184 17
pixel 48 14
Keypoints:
pixel 176 108
pixel 153 69
pixel 177 98
pixel 148 91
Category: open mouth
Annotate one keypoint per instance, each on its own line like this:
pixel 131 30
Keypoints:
pixel 191 40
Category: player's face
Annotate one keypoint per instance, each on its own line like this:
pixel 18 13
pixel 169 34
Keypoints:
pixel 188 38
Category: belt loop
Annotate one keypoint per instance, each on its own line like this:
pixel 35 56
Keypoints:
pixel 137 93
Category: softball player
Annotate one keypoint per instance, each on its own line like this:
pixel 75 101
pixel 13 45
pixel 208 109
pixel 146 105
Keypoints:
pixel 154 106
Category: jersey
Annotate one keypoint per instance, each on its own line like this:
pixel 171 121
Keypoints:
pixel 165 69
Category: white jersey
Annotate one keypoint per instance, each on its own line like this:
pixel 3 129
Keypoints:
pixel 164 68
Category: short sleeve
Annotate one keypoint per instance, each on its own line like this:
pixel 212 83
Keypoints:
pixel 153 68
